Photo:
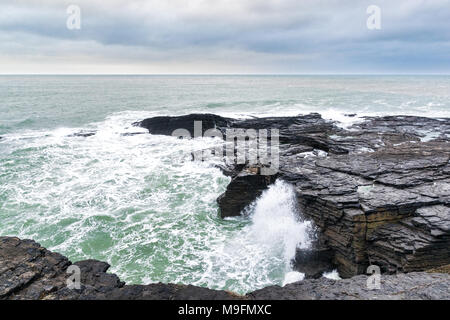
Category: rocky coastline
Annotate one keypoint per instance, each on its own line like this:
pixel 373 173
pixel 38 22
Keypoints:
pixel 30 272
pixel 378 192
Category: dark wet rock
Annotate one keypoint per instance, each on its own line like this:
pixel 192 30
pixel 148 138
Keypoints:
pixel 417 243
pixel 166 125
pixel 230 170
pixel 368 206
pixel 410 286
pixel 441 269
pixel 309 130
pixel 93 273
pixel 245 187
pixel 129 134
pixel 86 134
pixel 29 271
pixel 407 125
pixel 83 134
pixel 378 190
pixel 314 261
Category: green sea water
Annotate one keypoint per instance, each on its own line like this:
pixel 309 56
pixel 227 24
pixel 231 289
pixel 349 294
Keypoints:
pixel 138 201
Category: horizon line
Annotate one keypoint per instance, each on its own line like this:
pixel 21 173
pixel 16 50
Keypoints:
pixel 224 74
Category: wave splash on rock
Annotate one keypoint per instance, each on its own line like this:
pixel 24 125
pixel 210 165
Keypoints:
pixel 277 226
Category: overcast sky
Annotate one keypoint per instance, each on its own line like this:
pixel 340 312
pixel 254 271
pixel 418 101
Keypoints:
pixel 224 36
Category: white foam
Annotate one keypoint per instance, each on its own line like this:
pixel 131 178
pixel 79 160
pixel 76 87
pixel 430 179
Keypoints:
pixel 276 222
pixel 141 204
pixel 292 277
pixel 333 275
pixel 429 135
pixel 260 253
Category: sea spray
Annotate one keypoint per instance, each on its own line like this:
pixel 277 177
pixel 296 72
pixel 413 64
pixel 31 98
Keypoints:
pixel 277 223
pixel 333 275
pixel 268 244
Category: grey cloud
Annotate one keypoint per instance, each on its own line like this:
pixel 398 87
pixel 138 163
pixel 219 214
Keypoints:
pixel 287 34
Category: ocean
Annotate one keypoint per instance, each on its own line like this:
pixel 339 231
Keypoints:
pixel 138 201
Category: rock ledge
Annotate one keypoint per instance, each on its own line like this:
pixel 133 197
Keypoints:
pixel 29 272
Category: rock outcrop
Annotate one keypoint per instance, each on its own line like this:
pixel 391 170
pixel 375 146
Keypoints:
pixel 29 272
pixel 378 191
pixel 167 125
pixel 389 207
pixel 245 187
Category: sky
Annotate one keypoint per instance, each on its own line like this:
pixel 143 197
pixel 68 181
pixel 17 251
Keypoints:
pixel 224 37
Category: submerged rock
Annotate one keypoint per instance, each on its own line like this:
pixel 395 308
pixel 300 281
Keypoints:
pixel 83 134
pixel 29 271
